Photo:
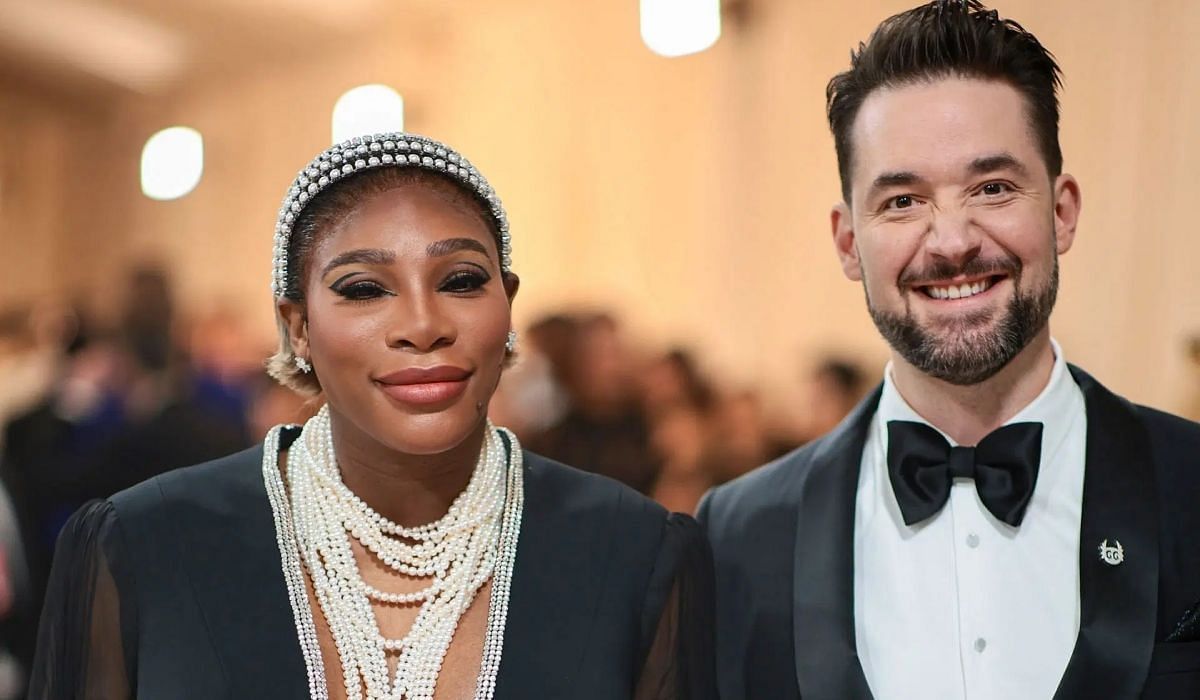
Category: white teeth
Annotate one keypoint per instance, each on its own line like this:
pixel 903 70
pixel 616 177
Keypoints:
pixel 961 291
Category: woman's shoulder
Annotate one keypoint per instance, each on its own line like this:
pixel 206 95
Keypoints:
pixel 223 485
pixel 560 495
pixel 585 494
pixel 203 524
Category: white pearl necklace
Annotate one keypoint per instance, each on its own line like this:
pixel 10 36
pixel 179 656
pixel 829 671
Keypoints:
pixel 475 541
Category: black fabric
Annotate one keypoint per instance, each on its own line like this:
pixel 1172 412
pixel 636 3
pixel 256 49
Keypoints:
pixel 608 592
pixel 82 585
pixel 782 539
pixel 1118 609
pixel 826 656
pixel 922 467
pixel 677 629
pixel 1187 629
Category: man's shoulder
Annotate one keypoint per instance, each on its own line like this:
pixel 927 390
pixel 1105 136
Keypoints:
pixel 1164 428
pixel 1175 450
pixel 769 492
pixel 1173 441
pixel 1171 429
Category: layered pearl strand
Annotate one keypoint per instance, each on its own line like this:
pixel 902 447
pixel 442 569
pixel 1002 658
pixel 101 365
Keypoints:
pixel 475 541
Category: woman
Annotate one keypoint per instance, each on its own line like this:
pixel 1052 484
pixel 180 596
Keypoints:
pixel 398 545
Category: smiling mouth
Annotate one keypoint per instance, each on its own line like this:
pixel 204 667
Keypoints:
pixel 425 393
pixel 425 386
pixel 963 290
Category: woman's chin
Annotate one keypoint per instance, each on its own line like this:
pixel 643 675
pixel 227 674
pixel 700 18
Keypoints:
pixel 429 434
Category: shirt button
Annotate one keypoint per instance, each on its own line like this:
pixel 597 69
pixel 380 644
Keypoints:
pixel 980 644
pixel 972 540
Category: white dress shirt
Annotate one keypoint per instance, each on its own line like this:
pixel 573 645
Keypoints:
pixel 963 605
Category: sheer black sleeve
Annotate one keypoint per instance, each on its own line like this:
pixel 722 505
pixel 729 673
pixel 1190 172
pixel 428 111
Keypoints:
pixel 677 621
pixel 84 637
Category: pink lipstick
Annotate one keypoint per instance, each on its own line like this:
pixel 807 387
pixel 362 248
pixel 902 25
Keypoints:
pixel 421 386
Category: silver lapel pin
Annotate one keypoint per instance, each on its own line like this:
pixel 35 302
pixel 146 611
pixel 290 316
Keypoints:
pixel 1113 555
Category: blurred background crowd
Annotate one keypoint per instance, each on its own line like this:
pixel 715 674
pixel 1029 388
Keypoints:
pixel 682 316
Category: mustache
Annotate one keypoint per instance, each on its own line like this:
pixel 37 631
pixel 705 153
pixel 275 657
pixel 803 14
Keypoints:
pixel 975 267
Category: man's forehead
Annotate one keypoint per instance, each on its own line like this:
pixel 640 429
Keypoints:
pixel 960 103
pixel 947 123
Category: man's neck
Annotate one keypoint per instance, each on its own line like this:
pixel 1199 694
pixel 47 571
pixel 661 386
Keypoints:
pixel 968 413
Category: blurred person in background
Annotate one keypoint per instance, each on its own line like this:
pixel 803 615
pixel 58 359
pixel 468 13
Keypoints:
pixel 373 551
pixel 32 349
pixel 833 388
pixel 672 380
pixel 273 404
pixel 72 408
pixel 165 426
pixel 679 437
pixel 740 437
pixel 224 364
pixel 991 522
pixel 604 430
pixel 677 400
pixel 33 345
pixel 531 397
pixel 228 381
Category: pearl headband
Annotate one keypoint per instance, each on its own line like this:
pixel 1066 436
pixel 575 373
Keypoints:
pixel 363 153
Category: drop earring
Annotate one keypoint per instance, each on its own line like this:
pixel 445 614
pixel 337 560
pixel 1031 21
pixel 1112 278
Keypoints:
pixel 303 365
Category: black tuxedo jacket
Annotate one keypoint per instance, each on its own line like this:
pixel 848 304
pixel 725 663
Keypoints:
pixel 783 537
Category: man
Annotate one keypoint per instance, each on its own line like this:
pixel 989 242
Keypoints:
pixel 991 522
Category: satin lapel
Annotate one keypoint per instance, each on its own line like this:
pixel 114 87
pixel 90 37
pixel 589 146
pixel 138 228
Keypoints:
pixel 1118 600
pixel 827 665
pixel 235 572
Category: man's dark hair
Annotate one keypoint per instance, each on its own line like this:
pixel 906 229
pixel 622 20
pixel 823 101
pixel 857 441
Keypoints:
pixel 947 38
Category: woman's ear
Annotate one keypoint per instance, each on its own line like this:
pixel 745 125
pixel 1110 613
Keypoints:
pixel 294 319
pixel 511 284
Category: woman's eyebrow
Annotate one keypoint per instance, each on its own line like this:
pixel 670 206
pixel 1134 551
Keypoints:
pixel 366 256
pixel 451 245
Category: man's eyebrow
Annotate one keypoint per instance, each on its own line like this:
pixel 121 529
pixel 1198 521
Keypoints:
pixel 893 179
pixel 998 161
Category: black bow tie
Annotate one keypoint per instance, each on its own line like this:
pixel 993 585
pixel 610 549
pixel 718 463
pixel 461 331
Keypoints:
pixel 923 466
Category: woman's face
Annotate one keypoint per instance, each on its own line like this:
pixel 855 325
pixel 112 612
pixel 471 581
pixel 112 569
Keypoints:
pixel 406 318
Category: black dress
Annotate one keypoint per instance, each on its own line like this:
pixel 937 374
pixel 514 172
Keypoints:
pixel 175 589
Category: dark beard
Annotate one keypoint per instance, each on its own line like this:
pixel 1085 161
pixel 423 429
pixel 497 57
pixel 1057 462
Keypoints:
pixel 969 356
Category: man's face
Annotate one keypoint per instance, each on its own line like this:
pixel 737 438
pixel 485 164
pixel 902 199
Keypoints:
pixel 954 225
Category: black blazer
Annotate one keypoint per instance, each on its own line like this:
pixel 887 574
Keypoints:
pixel 204 609
pixel 782 537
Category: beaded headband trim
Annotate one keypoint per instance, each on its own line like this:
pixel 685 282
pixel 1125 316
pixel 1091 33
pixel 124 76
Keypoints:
pixel 362 153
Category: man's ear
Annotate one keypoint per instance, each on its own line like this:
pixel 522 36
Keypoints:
pixel 842 224
pixel 1068 202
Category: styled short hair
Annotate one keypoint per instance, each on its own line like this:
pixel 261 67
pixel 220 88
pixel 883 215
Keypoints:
pixel 947 38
